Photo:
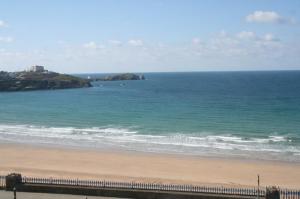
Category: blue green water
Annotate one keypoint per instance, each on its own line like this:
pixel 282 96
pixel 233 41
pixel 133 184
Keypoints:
pixel 236 114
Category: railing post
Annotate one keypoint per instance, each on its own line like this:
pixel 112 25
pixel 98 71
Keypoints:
pixel 15 192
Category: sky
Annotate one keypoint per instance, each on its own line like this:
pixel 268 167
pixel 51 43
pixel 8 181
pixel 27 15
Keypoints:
pixel 102 36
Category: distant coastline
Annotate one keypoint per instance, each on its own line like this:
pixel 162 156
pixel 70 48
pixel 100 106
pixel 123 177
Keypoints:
pixel 37 78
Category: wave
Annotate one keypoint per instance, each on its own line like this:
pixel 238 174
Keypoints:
pixel 202 143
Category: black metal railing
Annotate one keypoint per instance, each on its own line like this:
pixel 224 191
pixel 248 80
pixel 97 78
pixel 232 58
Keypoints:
pixel 289 194
pixel 254 191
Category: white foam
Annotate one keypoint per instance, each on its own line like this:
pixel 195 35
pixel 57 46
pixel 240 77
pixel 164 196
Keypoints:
pixel 277 138
pixel 130 138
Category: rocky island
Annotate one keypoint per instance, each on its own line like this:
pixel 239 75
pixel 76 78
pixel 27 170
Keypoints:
pixel 39 79
pixel 121 77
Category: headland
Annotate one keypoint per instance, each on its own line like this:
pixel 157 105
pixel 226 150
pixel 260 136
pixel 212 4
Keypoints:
pixel 37 78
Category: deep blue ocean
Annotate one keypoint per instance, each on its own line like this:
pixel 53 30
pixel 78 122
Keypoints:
pixel 221 114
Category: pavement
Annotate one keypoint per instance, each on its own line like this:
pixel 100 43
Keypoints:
pixel 26 195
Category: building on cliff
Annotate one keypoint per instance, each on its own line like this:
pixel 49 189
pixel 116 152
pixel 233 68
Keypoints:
pixel 37 68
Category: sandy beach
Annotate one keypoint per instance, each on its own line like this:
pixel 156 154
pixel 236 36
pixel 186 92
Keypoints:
pixel 144 167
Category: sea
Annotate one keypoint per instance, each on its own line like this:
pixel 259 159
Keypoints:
pixel 252 115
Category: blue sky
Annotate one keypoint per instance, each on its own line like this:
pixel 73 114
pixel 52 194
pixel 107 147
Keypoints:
pixel 150 35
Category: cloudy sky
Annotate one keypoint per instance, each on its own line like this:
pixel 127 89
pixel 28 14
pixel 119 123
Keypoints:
pixel 150 35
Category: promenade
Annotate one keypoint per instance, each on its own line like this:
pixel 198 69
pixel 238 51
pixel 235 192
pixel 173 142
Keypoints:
pixel 24 195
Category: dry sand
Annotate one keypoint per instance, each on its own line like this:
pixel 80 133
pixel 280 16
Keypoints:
pixel 143 167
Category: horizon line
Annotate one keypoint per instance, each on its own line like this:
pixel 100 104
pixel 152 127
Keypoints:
pixel 273 70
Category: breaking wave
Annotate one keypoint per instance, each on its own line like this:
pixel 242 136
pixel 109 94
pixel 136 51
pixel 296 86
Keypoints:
pixel 203 143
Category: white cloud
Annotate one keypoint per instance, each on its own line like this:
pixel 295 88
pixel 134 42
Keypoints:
pixel 92 45
pixel 6 39
pixel 223 33
pixel 2 24
pixel 136 42
pixel 196 41
pixel 115 42
pixel 268 17
pixel 245 50
pixel 269 37
pixel 246 35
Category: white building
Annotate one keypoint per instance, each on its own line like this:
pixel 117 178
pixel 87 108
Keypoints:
pixel 37 68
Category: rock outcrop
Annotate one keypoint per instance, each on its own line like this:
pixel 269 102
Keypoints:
pixel 120 77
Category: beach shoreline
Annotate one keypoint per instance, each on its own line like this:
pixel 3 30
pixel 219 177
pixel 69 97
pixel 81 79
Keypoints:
pixel 59 162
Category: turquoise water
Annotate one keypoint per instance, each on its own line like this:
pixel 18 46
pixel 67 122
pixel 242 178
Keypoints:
pixel 236 114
